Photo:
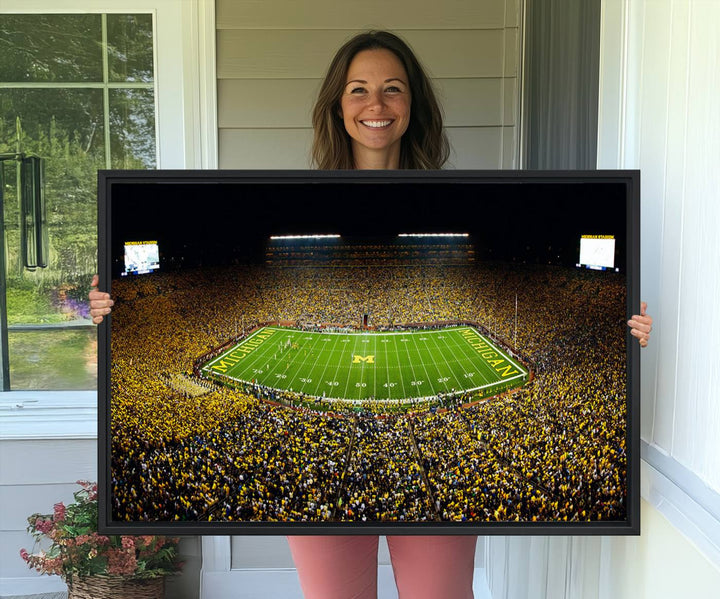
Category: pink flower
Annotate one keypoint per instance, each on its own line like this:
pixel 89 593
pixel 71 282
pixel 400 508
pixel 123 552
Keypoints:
pixel 59 509
pixel 90 488
pixel 121 562
pixel 128 542
pixel 53 565
pixel 25 555
pixel 44 526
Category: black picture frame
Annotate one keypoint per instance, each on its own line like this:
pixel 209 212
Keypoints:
pixel 530 219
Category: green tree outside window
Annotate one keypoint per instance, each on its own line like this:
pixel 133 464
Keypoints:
pixel 78 91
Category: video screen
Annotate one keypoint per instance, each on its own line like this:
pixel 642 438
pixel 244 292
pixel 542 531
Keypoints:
pixel 374 352
pixel 597 252
pixel 141 257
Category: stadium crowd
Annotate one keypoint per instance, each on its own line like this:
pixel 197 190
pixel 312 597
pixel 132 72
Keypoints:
pixel 554 449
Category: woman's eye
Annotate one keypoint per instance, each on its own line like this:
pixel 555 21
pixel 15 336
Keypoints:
pixel 357 90
pixel 393 89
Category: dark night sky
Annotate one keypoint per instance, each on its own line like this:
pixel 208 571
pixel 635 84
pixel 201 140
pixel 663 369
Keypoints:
pixel 510 220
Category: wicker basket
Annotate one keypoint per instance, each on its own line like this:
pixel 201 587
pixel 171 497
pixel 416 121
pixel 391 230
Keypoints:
pixel 116 587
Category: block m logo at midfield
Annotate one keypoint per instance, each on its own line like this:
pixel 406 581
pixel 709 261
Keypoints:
pixel 367 359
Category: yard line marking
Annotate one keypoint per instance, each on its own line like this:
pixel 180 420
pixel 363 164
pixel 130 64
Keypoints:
pixel 469 362
pixel 387 373
pixel 396 351
pixel 412 368
pixel 340 366
pixel 427 374
pixel 275 367
pixel 347 378
pixel 321 379
pixel 375 370
pixel 301 372
pixel 451 370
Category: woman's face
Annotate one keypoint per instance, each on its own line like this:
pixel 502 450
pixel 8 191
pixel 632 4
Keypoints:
pixel 375 104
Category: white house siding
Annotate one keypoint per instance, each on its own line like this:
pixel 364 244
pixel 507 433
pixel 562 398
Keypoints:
pixel 271 58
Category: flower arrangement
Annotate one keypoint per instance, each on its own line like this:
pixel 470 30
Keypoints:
pixel 77 550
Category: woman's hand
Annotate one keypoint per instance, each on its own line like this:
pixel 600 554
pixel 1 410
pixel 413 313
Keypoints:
pixel 100 302
pixel 641 325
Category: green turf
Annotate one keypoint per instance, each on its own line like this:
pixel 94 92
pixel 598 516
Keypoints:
pixel 363 365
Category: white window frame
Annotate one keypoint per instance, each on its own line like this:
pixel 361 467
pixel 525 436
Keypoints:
pixel 186 130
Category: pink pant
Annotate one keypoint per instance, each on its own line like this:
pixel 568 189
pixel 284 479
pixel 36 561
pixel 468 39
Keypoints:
pixel 345 567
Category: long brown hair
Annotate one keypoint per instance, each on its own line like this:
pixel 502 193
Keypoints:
pixel 424 144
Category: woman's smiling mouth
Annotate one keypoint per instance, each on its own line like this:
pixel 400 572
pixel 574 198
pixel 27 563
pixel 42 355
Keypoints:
pixel 376 124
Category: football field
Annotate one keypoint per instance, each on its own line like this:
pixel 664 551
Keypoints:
pixel 362 365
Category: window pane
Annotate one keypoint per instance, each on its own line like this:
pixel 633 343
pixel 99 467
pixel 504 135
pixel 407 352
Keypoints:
pixel 65 128
pixel 50 48
pixel 130 47
pixel 53 121
pixel 53 359
pixel 132 128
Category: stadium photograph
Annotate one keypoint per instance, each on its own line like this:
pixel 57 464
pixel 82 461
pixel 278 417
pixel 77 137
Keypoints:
pixel 367 354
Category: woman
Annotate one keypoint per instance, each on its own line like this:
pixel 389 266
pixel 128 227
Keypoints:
pixel 377 110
